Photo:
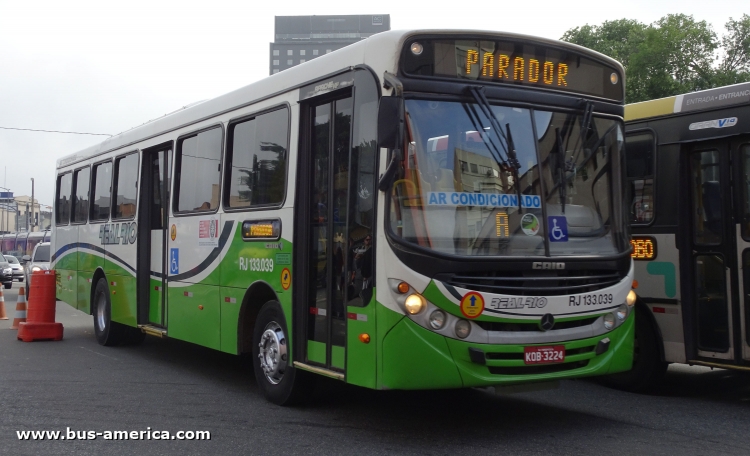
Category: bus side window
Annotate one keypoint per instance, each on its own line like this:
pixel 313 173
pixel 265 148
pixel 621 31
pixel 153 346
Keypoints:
pixel 198 171
pixel 62 203
pixel 640 168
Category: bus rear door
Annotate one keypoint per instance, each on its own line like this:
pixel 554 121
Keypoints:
pixel 152 235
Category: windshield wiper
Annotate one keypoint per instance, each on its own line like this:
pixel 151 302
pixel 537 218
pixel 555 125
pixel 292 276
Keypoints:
pixel 560 168
pixel 512 161
pixel 512 155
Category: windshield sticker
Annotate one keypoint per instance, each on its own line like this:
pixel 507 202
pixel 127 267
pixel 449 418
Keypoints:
pixel 530 224
pixel 472 304
pixel 558 228
pixel 482 199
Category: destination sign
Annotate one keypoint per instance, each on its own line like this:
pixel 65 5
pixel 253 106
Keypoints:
pixel 644 248
pixel 512 62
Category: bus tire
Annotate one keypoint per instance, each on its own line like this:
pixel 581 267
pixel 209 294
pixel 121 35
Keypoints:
pixel 648 367
pixel 277 379
pixel 108 333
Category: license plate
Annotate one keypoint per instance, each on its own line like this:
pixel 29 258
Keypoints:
pixel 544 355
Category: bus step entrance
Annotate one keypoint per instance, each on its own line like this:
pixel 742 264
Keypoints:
pixel 153 330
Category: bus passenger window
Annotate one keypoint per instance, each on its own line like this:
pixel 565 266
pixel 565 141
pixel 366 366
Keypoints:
pixel 126 181
pixel 257 160
pixel 80 210
pixel 640 168
pixel 62 203
pixel 197 169
pixel 102 186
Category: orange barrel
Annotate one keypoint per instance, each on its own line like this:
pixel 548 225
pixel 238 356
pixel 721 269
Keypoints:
pixel 42 300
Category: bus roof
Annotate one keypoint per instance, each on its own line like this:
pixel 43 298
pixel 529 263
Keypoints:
pixel 382 53
pixel 690 102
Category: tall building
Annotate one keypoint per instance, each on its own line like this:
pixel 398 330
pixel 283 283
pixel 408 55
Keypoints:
pixel 298 39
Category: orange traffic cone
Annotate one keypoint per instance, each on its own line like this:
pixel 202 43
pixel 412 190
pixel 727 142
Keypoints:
pixel 20 308
pixel 3 315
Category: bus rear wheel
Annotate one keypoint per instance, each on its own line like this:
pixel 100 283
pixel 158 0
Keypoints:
pixel 108 333
pixel 277 379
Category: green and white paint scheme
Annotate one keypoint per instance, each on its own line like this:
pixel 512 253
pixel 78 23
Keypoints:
pixel 194 275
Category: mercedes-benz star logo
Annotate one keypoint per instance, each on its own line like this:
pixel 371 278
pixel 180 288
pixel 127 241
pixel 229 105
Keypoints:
pixel 547 322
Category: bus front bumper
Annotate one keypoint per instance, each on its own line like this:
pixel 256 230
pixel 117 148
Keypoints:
pixel 416 358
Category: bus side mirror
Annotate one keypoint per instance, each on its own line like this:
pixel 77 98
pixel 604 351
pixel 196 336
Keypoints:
pixel 25 258
pixel 389 112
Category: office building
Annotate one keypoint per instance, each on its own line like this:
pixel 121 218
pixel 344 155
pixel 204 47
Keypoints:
pixel 298 39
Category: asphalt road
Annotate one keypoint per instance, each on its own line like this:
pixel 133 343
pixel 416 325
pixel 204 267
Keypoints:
pixel 175 386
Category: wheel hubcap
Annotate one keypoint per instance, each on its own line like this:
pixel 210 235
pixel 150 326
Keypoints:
pixel 272 353
pixel 101 318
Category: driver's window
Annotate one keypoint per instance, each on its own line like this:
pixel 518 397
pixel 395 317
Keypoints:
pixel 639 150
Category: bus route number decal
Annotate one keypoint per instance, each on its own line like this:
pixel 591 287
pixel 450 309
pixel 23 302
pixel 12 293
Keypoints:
pixel 591 299
pixel 256 264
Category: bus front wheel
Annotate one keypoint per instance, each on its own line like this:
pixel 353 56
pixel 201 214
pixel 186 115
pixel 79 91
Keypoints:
pixel 279 381
pixel 648 367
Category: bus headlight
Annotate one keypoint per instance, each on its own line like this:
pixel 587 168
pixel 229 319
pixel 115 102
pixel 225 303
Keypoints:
pixel 462 328
pixel 622 312
pixel 437 319
pixel 414 304
pixel 631 298
pixel 609 321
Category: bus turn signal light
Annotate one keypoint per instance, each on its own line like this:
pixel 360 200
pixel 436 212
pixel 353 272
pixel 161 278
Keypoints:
pixel 403 287
pixel 364 338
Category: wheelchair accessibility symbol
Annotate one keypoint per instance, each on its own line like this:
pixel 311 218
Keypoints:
pixel 174 261
pixel 558 228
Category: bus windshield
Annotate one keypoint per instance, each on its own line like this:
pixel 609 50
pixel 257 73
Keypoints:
pixel 467 188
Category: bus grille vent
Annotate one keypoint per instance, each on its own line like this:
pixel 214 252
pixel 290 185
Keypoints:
pixel 537 369
pixel 547 283
pixel 532 327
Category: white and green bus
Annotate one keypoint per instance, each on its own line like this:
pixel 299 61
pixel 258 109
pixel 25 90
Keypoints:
pixel 688 165
pixel 417 210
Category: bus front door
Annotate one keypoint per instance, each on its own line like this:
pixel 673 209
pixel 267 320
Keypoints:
pixel 710 267
pixel 152 236
pixel 326 199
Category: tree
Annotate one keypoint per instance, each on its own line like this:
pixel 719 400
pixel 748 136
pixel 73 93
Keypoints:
pixel 735 66
pixel 673 55
pixel 618 39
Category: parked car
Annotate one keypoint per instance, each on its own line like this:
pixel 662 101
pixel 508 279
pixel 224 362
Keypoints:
pixel 18 272
pixel 38 261
pixel 6 273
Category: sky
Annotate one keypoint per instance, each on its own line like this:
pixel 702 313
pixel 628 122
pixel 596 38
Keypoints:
pixel 105 67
